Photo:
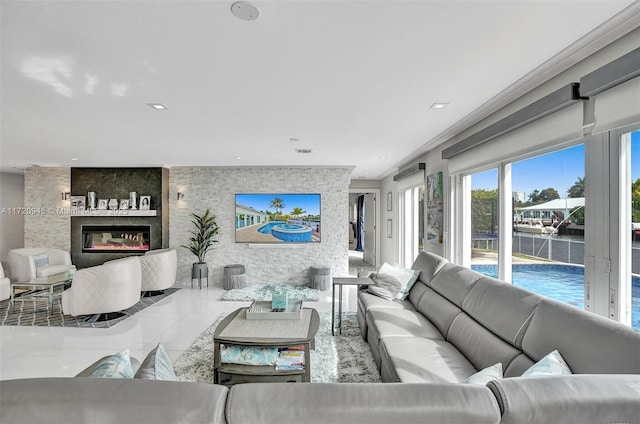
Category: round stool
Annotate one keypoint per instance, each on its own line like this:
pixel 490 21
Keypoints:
pixel 320 277
pixel 234 277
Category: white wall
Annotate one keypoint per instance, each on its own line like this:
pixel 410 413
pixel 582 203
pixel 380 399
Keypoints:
pixel 51 226
pixel 11 220
pixel 215 188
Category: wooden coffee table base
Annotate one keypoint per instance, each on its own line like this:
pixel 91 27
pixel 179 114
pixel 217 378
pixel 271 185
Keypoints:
pixel 235 330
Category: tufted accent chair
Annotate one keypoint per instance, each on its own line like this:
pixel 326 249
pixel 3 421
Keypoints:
pixel 159 269
pixel 110 287
pixel 5 286
pixel 27 264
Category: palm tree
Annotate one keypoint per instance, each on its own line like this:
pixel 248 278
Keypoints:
pixel 577 189
pixel 277 204
pixel 297 212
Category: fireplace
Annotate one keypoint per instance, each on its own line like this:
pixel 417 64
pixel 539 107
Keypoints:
pixel 115 238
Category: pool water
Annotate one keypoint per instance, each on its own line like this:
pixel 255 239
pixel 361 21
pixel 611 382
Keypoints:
pixel 561 282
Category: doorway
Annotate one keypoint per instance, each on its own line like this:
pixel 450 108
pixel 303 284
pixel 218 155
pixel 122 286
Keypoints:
pixel 362 228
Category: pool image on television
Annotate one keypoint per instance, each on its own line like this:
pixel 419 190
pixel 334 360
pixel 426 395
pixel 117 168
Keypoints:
pixel 277 218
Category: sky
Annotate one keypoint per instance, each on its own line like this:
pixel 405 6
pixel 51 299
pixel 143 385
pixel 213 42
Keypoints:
pixel 558 170
pixel 307 202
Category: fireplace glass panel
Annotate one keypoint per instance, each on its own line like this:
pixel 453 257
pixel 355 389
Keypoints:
pixel 115 238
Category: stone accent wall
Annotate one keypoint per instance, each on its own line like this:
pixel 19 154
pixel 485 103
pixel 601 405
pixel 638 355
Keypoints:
pixel 215 188
pixel 49 223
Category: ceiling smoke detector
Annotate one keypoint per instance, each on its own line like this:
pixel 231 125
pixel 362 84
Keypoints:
pixel 245 10
pixel 304 151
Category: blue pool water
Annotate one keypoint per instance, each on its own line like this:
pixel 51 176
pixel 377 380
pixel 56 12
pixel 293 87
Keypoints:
pixel 293 233
pixel 561 282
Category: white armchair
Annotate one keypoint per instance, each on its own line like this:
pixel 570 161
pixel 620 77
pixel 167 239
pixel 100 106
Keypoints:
pixel 5 285
pixel 159 269
pixel 29 263
pixel 110 287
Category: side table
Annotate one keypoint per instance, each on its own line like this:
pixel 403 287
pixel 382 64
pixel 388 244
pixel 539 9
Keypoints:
pixel 340 282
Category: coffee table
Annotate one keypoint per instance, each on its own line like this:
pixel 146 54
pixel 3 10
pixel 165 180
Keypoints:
pixel 40 289
pixel 237 330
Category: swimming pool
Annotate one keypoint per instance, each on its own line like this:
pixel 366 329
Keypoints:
pixel 294 233
pixel 561 282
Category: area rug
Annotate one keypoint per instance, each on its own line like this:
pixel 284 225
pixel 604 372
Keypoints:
pixel 32 313
pixel 336 359
pixel 295 292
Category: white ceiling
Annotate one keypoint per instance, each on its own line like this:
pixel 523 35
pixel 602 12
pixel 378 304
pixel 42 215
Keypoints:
pixel 352 80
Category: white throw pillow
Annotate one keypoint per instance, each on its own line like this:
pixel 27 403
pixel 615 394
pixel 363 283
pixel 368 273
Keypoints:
pixel 393 282
pixel 482 377
pixel 552 364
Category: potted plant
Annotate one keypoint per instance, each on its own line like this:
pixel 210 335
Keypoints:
pixel 201 241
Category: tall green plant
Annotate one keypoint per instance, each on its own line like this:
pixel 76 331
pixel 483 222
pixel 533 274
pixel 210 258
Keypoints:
pixel 203 236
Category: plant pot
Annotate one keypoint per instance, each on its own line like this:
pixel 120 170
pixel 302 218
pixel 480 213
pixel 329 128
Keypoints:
pixel 199 270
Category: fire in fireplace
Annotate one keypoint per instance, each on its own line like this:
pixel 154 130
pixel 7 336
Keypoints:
pixel 116 238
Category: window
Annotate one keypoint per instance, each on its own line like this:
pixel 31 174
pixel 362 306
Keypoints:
pixel 484 219
pixel 410 224
pixel 631 143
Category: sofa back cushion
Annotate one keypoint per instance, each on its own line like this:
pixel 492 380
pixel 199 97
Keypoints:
pixel 454 282
pixel 437 309
pixel 503 308
pixel 479 345
pixel 589 343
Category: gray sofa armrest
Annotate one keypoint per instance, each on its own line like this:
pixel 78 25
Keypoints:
pixel 578 398
pixel 397 403
pixel 110 400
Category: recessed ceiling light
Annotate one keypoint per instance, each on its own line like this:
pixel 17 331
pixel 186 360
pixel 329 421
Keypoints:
pixel 74 159
pixel 294 139
pixel 158 106
pixel 238 157
pixel 383 157
pixel 245 10
pixel 438 106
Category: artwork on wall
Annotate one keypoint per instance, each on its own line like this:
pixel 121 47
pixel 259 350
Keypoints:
pixel 434 208
pixel 389 201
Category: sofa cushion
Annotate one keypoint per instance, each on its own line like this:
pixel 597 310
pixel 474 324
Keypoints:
pixel 420 360
pixel 502 308
pixel 575 332
pixel 454 282
pixel 429 264
pixel 482 377
pixel 156 366
pixel 368 301
pixel 403 322
pixel 393 282
pixel 438 310
pixel 114 366
pixel 479 345
pixel 552 364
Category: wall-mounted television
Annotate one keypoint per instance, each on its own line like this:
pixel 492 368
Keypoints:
pixel 277 218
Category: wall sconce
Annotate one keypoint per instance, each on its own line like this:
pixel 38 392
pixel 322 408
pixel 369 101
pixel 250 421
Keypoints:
pixel 65 195
pixel 180 195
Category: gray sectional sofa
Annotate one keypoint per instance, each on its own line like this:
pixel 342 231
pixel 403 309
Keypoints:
pixel 454 323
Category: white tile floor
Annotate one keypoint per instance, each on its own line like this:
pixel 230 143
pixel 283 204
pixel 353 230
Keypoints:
pixel 176 322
